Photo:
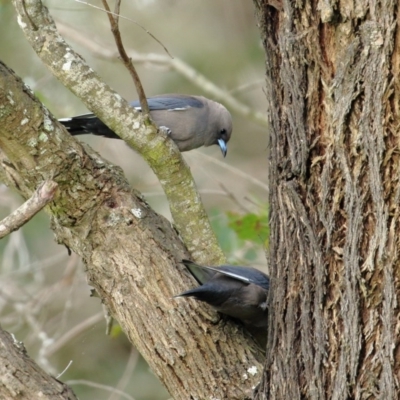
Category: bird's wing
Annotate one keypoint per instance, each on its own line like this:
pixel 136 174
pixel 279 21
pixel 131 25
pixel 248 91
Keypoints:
pixel 200 273
pixel 78 117
pixel 155 103
pixel 177 103
pixel 244 274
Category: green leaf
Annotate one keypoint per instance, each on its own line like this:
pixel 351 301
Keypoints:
pixel 250 226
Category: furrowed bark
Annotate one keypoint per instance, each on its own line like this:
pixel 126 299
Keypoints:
pixel 333 97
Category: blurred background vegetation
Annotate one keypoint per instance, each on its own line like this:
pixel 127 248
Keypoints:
pixel 44 298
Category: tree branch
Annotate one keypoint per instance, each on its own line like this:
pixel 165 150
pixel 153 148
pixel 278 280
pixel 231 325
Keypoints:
pixel 131 254
pixel 114 18
pixel 43 195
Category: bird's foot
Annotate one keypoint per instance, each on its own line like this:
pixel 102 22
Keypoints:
pixel 165 130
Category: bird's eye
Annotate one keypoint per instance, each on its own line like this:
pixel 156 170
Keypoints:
pixel 223 134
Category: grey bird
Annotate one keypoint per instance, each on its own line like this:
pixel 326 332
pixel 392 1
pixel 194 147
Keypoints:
pixel 190 121
pixel 240 292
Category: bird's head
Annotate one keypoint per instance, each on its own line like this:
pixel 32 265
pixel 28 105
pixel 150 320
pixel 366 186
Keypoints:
pixel 222 129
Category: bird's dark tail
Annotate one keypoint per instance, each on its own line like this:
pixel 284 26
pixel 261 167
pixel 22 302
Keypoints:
pixel 74 126
pixel 200 273
pixel 205 293
pixel 87 124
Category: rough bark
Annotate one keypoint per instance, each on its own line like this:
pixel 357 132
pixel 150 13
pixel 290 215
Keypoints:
pixel 21 378
pixel 132 254
pixel 331 72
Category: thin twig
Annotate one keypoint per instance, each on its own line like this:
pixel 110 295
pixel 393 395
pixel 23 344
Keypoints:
pixel 235 200
pixel 247 87
pixel 64 370
pixel 43 195
pixel 99 386
pixel 130 20
pixel 113 17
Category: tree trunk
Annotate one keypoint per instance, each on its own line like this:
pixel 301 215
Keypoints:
pixel 331 72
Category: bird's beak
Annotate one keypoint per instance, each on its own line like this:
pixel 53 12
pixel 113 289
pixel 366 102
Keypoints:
pixel 223 146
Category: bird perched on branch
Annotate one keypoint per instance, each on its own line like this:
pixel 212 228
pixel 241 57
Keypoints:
pixel 190 121
pixel 240 292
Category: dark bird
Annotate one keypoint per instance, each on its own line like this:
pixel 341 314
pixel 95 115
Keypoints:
pixel 240 292
pixel 191 121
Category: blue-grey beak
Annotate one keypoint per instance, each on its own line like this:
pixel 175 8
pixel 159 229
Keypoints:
pixel 223 146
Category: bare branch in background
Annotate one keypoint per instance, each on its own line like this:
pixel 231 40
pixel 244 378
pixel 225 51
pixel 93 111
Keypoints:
pixel 106 388
pixel 74 332
pixel 127 375
pixel 43 195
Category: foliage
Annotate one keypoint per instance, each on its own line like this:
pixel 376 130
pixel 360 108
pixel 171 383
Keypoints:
pixel 242 236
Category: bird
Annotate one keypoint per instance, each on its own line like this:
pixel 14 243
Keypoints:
pixel 240 292
pixel 190 121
